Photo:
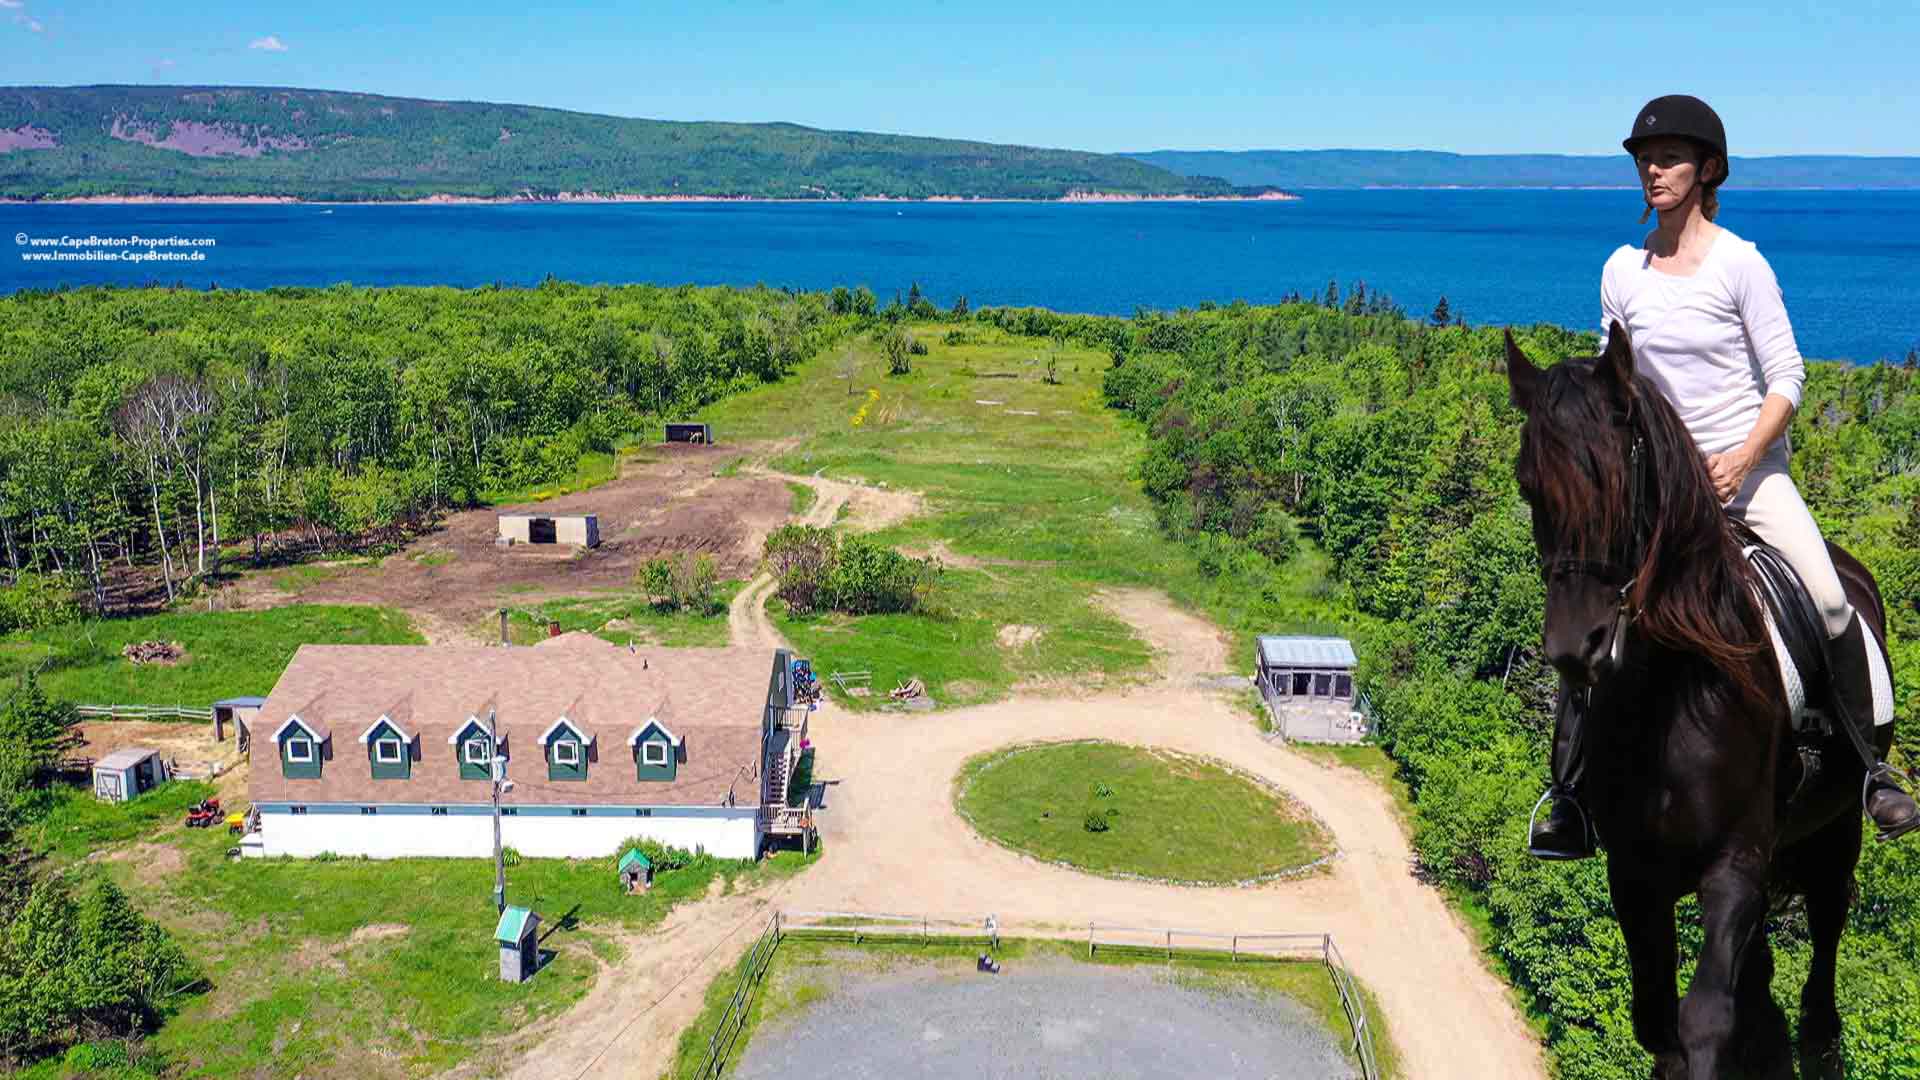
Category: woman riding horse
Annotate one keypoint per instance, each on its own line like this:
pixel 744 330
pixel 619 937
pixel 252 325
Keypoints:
pixel 1707 326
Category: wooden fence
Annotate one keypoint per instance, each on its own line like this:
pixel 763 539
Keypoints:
pixel 144 712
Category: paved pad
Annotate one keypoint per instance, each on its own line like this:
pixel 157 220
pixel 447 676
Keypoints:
pixel 1054 1020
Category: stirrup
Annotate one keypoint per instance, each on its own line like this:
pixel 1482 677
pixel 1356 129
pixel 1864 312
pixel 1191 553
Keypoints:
pixel 1592 840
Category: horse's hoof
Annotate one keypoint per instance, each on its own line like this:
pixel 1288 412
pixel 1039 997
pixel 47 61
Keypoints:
pixel 1822 1060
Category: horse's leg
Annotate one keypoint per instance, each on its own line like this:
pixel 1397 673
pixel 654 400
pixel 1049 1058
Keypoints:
pixel 1733 903
pixel 1825 874
pixel 1646 922
pixel 1765 1049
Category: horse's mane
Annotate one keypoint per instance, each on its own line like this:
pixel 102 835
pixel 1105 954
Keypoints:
pixel 1692 586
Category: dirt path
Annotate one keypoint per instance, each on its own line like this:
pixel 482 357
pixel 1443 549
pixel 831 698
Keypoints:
pixel 631 1020
pixel 903 848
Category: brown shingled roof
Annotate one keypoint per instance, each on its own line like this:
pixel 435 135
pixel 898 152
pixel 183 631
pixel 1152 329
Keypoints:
pixel 712 698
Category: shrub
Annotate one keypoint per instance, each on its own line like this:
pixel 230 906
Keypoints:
pixel 899 345
pixel 1096 821
pixel 655 578
pixel 1275 535
pixel 681 582
pixel 800 557
pixel 35 600
pixel 867 578
pixel 666 857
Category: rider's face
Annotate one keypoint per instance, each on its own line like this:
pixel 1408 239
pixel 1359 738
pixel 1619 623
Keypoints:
pixel 1669 170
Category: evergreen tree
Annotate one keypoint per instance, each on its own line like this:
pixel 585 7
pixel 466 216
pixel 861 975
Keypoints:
pixel 960 306
pixel 1332 300
pixel 1441 316
pixel 36 732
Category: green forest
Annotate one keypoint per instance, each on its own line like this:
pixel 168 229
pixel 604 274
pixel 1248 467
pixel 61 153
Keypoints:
pixel 156 426
pixel 152 428
pixel 335 146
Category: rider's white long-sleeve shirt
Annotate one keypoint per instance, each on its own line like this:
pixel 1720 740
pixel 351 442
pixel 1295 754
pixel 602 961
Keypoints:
pixel 1716 343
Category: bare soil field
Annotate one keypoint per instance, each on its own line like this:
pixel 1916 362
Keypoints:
pixel 450 579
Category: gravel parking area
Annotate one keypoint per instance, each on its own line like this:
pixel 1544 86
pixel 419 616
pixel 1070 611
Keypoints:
pixel 1053 1020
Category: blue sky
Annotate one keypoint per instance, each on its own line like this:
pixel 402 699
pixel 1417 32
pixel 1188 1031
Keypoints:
pixel 1122 75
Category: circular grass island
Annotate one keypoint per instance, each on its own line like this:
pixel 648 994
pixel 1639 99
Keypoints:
pixel 1131 811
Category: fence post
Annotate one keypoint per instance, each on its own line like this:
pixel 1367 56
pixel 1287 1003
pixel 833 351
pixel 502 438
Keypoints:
pixel 1169 946
pixel 1089 941
pixel 1233 957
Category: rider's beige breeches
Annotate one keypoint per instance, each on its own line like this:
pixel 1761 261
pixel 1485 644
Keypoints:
pixel 1772 506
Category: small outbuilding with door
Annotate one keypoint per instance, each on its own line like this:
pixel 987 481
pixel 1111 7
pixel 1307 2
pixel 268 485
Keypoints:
pixel 127 774
pixel 1307 683
pixel 518 935
pixel 579 530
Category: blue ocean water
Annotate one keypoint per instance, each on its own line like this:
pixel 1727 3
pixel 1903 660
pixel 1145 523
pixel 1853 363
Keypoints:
pixel 1849 262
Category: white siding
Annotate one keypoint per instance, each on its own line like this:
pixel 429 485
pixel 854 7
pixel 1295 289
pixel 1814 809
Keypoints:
pixel 732 834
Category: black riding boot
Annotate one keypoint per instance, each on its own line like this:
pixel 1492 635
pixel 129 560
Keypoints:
pixel 1851 686
pixel 1566 833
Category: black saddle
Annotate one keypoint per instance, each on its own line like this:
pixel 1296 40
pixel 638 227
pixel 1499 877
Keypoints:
pixel 1798 622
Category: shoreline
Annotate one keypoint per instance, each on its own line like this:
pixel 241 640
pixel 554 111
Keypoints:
pixel 592 198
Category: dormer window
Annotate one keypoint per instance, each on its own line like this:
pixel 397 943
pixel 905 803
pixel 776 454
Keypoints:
pixel 389 749
pixel 656 751
pixel 569 750
pixel 298 744
pixel 474 749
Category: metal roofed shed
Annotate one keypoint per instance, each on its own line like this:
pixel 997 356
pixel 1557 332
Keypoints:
pixel 690 433
pixel 235 712
pixel 518 935
pixel 127 774
pixel 1307 683
pixel 579 530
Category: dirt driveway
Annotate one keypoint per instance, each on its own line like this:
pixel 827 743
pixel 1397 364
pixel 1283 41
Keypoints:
pixel 896 844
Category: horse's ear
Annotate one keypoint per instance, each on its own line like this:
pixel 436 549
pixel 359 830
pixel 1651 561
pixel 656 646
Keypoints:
pixel 1523 379
pixel 1616 363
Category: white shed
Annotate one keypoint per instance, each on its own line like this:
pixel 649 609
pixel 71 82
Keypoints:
pixel 580 530
pixel 127 774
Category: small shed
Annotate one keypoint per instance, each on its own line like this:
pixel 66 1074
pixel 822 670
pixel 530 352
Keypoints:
pixel 636 871
pixel 580 530
pixel 236 713
pixel 518 934
pixel 1307 683
pixel 690 433
pixel 127 774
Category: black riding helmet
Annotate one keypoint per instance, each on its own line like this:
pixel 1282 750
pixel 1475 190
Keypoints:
pixel 1687 117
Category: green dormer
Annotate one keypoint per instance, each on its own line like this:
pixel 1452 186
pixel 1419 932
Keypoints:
pixel 301 746
pixel 568 750
pixel 474 749
pixel 656 751
pixel 389 750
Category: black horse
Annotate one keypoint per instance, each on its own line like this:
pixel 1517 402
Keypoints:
pixel 1695 781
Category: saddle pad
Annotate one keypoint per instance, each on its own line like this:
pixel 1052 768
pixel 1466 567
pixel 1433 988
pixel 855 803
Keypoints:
pixel 1778 589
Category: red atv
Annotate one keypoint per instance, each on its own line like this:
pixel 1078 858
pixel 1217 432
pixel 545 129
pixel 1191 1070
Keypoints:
pixel 204 815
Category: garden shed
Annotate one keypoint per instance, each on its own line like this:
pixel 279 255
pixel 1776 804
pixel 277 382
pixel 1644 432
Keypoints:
pixel 636 871
pixel 580 530
pixel 690 433
pixel 127 774
pixel 1307 683
pixel 518 935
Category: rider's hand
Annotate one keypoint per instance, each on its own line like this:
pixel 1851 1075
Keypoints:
pixel 1729 470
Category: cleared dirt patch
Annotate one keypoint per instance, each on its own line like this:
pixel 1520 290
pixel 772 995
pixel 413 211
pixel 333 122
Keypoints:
pixel 1014 636
pixel 1188 645
pixel 452 578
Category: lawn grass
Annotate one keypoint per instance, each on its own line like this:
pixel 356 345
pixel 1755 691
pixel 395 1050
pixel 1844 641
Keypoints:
pixel 803 498
pixel 229 653
pixel 68 823
pixel 1169 817
pixel 1038 488
pixel 352 967
pixel 624 616
pixel 805 969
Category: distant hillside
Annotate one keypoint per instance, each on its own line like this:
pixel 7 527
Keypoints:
pixel 1428 168
pixel 317 144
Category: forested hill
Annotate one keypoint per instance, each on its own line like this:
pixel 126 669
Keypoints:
pixel 1428 168
pixel 318 144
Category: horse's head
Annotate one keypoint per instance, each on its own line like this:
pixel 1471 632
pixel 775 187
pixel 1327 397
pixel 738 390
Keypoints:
pixel 1582 469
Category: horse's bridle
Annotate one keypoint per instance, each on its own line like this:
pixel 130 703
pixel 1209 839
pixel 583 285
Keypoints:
pixel 1624 611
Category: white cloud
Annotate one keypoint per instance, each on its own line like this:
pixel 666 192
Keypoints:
pixel 270 43
pixel 31 24
pixel 9 3
pixel 161 67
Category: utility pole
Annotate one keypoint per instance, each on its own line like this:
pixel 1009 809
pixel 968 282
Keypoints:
pixel 498 765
